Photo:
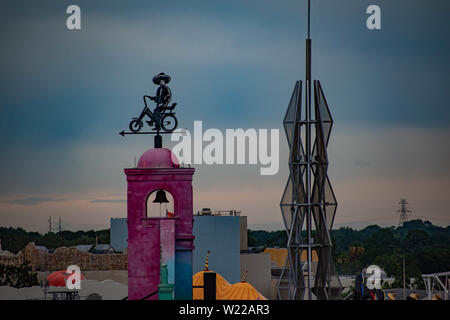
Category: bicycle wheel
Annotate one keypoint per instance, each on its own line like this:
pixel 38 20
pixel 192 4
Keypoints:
pixel 169 123
pixel 135 125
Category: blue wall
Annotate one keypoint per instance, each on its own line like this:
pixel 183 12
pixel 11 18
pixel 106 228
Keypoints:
pixel 220 235
pixel 119 234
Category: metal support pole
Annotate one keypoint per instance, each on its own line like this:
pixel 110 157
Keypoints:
pixel 429 288
pixel 308 160
pixel 158 140
pixel 404 279
pixel 439 282
pixel 308 149
pixel 309 19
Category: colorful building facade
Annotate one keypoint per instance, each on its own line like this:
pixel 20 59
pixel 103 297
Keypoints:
pixel 153 241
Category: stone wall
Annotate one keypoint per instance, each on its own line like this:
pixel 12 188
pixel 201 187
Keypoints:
pixel 64 257
pixel 9 260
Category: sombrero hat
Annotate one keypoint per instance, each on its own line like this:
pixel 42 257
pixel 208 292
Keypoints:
pixel 162 76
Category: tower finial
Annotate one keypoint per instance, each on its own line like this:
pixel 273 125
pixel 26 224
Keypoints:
pixel 244 276
pixel 308 59
pixel 309 19
pixel 206 261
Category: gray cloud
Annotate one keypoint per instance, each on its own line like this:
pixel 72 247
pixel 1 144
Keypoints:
pixel 31 201
pixel 362 163
pixel 108 201
pixel 233 65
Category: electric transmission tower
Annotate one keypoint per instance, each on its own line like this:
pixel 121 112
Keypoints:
pixel 403 212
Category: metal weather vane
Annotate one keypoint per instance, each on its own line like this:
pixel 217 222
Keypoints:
pixel 162 119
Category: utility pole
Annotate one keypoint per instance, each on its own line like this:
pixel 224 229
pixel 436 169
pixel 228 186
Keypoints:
pixel 404 279
pixel 59 225
pixel 403 212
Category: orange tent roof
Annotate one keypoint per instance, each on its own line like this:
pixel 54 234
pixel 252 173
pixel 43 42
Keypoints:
pixel 279 255
pixel 225 291
pixel 241 291
pixel 197 280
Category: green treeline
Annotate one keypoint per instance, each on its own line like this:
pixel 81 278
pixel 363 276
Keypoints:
pixel 425 248
pixel 15 240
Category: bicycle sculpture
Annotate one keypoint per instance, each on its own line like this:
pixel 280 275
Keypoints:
pixel 163 116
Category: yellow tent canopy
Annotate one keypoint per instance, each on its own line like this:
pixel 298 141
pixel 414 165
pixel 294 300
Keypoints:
pixel 241 291
pixel 224 290
pixel 197 280
pixel 279 255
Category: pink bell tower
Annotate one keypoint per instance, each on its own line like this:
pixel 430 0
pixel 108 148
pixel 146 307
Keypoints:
pixel 156 240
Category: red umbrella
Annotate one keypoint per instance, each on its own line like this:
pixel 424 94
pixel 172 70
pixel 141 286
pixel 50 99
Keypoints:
pixel 58 278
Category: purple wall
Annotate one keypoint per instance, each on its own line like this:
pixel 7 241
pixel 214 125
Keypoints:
pixel 144 234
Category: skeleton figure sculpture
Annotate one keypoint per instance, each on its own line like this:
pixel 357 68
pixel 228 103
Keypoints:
pixel 162 116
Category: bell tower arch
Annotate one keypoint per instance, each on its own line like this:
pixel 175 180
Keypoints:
pixel 165 239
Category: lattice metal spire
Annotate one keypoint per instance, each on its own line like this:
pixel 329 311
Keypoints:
pixel 308 197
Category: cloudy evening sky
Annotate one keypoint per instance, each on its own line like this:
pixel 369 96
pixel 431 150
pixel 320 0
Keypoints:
pixel 64 96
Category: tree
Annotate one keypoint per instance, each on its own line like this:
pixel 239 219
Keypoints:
pixel 18 277
pixel 415 240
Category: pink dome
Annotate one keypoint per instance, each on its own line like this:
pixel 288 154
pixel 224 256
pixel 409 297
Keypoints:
pixel 158 158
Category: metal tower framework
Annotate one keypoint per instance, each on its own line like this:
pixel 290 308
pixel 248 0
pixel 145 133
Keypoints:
pixel 403 212
pixel 308 196
pixel 433 280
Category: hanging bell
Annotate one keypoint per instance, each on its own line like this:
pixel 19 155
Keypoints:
pixel 160 197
